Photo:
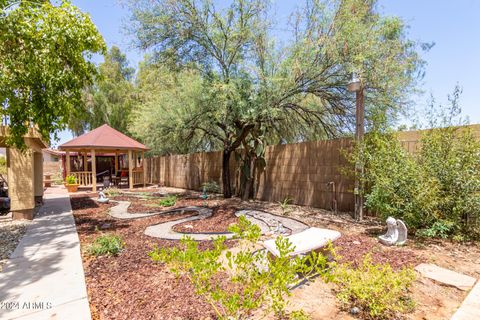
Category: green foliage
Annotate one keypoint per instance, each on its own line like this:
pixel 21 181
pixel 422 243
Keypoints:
pixel 168 201
pixel 375 288
pixel 42 74
pixel 211 187
pixel 3 165
pixel 436 189
pixel 107 244
pixel 285 206
pixel 234 87
pixel 439 229
pixel 71 179
pixel 236 283
pixel 112 192
pixel 111 98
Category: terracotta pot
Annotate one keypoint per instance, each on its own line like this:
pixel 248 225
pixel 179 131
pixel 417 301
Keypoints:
pixel 72 187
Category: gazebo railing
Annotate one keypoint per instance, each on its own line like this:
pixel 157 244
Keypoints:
pixel 84 178
pixel 137 177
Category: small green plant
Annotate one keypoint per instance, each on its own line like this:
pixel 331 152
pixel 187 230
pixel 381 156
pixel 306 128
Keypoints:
pixel 376 289
pixel 211 187
pixel 168 201
pixel 107 244
pixel 285 206
pixel 439 229
pixel 57 178
pixel 3 165
pixel 71 179
pixel 112 192
pixel 255 278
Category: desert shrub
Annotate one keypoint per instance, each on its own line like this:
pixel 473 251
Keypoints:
pixel 451 156
pixel 435 190
pixel 236 284
pixel 107 244
pixel 285 205
pixel 168 201
pixel 394 184
pixel 376 289
pixel 112 191
pixel 211 187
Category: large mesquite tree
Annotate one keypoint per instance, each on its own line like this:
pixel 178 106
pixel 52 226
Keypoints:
pixel 252 92
pixel 44 64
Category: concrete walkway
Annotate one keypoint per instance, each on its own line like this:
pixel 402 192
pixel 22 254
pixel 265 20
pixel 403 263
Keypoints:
pixel 44 277
pixel 470 308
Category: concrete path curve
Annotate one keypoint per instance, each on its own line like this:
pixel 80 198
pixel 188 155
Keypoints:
pixel 44 278
pixel 266 221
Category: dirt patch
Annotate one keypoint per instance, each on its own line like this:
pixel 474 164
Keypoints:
pixel 222 217
pixel 353 248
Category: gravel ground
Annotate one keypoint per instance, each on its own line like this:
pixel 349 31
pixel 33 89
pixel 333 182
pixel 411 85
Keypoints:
pixel 10 234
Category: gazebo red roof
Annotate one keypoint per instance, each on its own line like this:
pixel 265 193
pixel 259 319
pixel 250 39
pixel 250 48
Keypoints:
pixel 103 137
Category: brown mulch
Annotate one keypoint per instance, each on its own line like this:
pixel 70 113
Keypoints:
pixel 130 285
pixel 353 248
pixel 222 217
pixel 148 205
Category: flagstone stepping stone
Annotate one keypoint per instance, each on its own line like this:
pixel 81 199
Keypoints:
pixel 445 276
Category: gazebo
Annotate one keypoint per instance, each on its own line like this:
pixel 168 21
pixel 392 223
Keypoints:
pixel 105 141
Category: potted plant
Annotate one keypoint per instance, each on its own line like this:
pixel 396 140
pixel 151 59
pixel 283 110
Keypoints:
pixel 71 183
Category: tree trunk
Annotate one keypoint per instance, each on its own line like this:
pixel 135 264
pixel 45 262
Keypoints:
pixel 227 189
pixel 247 192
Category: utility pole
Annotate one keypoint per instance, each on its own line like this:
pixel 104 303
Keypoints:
pixel 355 85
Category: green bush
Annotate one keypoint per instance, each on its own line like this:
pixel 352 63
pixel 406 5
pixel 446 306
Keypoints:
pixel 3 165
pixel 451 156
pixel 255 278
pixel 107 244
pixel 168 201
pixel 436 190
pixel 375 289
pixel 112 191
pixel 71 179
pixel 211 187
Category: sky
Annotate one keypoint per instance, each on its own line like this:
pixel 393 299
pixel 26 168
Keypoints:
pixel 452 25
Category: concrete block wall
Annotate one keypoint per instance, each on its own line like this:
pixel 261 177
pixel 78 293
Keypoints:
pixel 303 172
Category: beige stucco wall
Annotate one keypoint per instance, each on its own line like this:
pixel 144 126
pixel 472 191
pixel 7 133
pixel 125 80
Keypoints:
pixel 20 170
pixel 38 173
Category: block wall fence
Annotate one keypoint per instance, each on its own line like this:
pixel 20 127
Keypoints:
pixel 306 172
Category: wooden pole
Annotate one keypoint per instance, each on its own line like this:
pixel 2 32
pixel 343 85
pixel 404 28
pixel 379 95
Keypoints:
pixel 130 169
pixel 85 161
pixel 144 168
pixel 68 162
pixel 116 162
pixel 94 171
pixel 359 134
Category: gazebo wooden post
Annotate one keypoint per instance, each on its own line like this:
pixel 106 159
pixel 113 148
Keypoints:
pixel 85 161
pixel 116 162
pixel 67 153
pixel 94 171
pixel 144 168
pixel 130 169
